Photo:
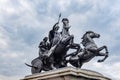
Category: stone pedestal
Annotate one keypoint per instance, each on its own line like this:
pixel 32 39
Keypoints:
pixel 67 73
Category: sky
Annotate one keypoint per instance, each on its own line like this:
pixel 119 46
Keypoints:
pixel 24 23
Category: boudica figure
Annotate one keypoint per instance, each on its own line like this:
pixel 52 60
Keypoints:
pixel 54 54
pixel 53 33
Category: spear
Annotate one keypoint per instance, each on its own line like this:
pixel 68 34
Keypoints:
pixel 53 48
pixel 59 18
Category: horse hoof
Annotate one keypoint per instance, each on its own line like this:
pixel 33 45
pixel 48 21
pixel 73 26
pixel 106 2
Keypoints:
pixel 107 52
pixel 100 61
pixel 106 55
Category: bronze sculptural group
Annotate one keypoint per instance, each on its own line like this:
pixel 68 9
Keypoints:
pixel 53 54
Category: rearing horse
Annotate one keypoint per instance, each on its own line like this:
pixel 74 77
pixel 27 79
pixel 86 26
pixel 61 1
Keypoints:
pixel 61 51
pixel 90 50
pixel 64 45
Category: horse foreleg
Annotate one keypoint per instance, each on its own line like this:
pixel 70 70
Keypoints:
pixel 76 46
pixel 102 54
pixel 103 47
pixel 80 63
pixel 106 49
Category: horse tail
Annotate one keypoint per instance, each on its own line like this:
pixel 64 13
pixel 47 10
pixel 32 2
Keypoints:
pixel 30 65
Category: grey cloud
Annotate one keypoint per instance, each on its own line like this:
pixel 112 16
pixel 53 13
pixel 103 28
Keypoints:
pixel 32 19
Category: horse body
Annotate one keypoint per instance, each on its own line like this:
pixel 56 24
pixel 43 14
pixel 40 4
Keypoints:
pixel 90 51
pixel 60 51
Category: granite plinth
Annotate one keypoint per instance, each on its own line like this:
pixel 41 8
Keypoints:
pixel 67 73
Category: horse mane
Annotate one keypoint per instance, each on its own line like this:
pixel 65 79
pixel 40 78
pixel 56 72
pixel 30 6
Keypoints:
pixel 83 38
pixel 86 33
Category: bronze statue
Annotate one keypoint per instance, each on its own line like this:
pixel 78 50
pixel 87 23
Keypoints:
pixel 54 54
pixel 43 62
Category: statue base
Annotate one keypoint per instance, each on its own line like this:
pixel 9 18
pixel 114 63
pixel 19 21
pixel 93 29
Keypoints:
pixel 67 73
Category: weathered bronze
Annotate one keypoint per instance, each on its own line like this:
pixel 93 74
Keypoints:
pixel 90 50
pixel 54 54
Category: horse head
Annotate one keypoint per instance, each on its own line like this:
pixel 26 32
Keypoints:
pixel 88 37
pixel 91 34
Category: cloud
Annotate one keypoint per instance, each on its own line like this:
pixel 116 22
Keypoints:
pixel 23 24
pixel 2 77
pixel 107 68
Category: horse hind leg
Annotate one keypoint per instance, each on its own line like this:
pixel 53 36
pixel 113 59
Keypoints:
pixel 35 70
pixel 79 65
pixel 38 66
